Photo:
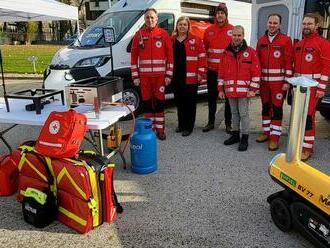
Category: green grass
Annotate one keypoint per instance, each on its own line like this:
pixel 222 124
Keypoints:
pixel 15 58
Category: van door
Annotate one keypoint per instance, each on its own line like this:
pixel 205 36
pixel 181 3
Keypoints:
pixel 292 12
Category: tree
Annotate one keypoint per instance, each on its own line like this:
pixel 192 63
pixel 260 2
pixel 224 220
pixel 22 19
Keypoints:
pixel 32 28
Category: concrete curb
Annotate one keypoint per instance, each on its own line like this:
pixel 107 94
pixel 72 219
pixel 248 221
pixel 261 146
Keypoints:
pixel 23 76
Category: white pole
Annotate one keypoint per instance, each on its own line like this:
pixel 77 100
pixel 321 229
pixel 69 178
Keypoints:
pixel 78 28
pixel 34 67
pixel 109 1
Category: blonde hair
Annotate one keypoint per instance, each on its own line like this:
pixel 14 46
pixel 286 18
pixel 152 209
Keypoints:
pixel 182 18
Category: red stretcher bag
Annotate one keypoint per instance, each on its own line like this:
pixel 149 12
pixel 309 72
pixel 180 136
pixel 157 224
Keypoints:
pixel 32 172
pixel 9 173
pixel 85 194
pixel 104 170
pixel 62 134
pixel 79 195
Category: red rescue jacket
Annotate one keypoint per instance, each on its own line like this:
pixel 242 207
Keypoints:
pixel 151 53
pixel 216 40
pixel 196 63
pixel 312 59
pixel 276 58
pixel 239 73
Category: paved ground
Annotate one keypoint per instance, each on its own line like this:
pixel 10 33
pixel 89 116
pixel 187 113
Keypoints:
pixel 203 195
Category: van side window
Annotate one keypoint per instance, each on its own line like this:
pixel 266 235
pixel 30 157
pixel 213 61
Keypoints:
pixel 166 21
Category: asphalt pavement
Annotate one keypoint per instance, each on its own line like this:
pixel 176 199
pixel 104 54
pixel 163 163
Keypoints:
pixel 204 194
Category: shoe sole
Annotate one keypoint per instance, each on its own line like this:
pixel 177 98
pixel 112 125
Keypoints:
pixel 262 141
pixel 205 131
pixel 242 150
pixel 304 160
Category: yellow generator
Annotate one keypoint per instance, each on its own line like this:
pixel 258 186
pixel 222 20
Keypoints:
pixel 305 201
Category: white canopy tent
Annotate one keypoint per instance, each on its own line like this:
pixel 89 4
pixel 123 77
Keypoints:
pixel 36 10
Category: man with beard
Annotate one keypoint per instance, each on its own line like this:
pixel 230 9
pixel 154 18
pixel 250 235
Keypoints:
pixel 275 54
pixel 216 39
pixel 312 60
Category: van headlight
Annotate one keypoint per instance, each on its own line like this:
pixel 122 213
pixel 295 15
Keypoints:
pixel 93 61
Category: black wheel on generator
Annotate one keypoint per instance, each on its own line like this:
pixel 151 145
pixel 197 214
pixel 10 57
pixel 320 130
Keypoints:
pixel 281 214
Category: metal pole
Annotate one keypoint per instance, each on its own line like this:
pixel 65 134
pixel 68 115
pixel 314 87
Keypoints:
pixel 3 84
pixel 2 75
pixel 111 57
pixel 298 117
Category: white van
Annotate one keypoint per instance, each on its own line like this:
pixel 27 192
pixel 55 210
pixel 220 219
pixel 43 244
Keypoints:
pixel 126 17
pixel 292 12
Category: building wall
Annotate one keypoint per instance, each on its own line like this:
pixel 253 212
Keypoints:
pixel 94 8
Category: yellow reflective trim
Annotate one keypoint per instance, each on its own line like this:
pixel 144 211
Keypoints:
pixel 88 152
pixel 75 162
pixel 111 165
pixel 27 148
pixel 92 204
pixel 95 210
pixel 36 194
pixel 36 170
pixel 64 172
pixel 21 162
pixel 72 216
pixel 102 177
pixel 53 187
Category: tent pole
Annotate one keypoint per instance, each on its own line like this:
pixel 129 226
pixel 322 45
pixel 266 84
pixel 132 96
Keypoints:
pixel 2 75
pixel 3 83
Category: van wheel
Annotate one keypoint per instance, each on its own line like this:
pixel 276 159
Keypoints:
pixel 132 97
pixel 325 114
pixel 281 214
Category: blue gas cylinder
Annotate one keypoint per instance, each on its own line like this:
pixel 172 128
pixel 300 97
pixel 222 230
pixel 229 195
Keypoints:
pixel 143 147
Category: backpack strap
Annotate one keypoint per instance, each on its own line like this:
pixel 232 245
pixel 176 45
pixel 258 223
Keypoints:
pixel 46 161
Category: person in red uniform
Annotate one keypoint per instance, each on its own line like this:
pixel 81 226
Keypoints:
pixel 275 54
pixel 239 76
pixel 152 68
pixel 217 37
pixel 312 60
pixel 189 70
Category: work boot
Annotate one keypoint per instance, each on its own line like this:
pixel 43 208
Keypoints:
pixel 228 129
pixel 262 138
pixel 234 138
pixel 178 130
pixel 161 136
pixel 208 127
pixel 243 145
pixel 273 145
pixel 305 155
pixel 186 133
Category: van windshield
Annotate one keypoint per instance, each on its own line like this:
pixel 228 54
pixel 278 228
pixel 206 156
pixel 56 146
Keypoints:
pixel 120 21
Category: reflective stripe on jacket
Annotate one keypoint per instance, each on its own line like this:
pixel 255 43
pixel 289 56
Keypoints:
pixel 151 53
pixel 276 58
pixel 239 74
pixel 196 63
pixel 312 59
pixel 216 40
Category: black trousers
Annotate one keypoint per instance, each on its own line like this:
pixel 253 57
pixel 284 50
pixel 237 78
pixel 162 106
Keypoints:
pixel 186 100
pixel 212 88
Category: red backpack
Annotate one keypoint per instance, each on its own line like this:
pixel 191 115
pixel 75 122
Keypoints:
pixel 62 134
pixel 9 173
